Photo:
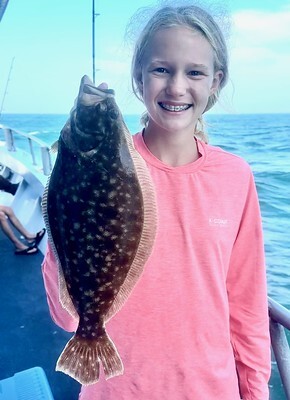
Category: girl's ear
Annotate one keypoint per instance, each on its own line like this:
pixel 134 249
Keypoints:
pixel 217 78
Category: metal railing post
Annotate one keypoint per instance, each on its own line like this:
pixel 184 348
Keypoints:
pixel 46 160
pixel 282 354
pixel 31 151
pixel 9 136
pixel 279 321
pixel 9 139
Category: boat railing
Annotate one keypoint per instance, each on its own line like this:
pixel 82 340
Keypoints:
pixel 34 143
pixel 279 321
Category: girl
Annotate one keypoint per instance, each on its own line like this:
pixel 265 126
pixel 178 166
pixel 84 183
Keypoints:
pixel 196 324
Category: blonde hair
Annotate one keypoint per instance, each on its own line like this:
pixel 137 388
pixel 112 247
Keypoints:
pixel 192 17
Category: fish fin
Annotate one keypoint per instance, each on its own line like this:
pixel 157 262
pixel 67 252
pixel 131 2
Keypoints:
pixel 64 297
pixel 81 359
pixel 148 232
pixel 54 147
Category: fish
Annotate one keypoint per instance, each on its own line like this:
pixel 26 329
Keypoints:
pixel 100 213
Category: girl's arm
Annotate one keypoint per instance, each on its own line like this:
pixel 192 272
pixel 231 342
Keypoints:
pixel 247 292
pixel 50 276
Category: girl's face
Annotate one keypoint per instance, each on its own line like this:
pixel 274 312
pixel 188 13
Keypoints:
pixel 177 79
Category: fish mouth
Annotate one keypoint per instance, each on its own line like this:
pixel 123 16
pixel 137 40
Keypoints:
pixel 174 108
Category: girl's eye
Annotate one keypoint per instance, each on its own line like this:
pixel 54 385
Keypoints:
pixel 160 70
pixel 195 73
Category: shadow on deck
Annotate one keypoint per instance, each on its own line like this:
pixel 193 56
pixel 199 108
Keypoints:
pixel 28 336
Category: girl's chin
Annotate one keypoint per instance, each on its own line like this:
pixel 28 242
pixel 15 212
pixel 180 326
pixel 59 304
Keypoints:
pixel 171 125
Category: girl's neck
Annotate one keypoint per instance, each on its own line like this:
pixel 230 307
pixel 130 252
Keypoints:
pixel 172 149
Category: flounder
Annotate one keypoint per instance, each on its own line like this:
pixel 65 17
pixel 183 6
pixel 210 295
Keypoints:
pixel 100 212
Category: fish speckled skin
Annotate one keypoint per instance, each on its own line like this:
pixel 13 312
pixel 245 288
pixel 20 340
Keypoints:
pixel 100 213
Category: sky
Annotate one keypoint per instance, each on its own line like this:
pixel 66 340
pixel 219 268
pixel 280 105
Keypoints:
pixel 46 47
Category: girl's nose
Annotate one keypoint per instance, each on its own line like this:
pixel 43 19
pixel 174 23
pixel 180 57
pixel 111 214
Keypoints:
pixel 176 85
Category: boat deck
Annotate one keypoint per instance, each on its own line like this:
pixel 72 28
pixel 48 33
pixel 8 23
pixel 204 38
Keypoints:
pixel 28 336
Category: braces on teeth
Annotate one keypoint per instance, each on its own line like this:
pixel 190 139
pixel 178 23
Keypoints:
pixel 174 108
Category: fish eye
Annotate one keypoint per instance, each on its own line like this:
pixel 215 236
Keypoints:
pixel 113 114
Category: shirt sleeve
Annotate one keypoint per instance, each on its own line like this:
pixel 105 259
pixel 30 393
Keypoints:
pixel 247 293
pixel 50 276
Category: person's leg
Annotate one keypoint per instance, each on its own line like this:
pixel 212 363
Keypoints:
pixel 16 223
pixel 9 233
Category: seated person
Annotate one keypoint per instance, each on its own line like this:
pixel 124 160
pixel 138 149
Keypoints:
pixel 8 217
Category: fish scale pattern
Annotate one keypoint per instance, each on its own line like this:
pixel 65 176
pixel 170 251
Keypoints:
pixel 100 213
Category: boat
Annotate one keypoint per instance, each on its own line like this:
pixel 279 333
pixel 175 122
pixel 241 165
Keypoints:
pixel 29 338
pixel 31 177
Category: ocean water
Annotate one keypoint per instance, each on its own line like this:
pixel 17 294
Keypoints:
pixel 261 139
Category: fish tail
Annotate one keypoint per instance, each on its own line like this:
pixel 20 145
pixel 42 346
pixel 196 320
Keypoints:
pixel 81 359
pixel 110 358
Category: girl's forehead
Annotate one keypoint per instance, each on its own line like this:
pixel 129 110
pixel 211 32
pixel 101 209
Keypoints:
pixel 176 35
pixel 177 42
pixel 173 29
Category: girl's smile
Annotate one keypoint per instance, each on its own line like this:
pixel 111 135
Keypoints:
pixel 174 108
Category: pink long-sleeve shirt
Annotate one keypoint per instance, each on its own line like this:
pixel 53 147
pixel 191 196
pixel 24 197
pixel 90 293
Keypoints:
pixel 196 323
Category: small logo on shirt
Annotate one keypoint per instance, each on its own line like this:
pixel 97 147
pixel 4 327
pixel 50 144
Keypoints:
pixel 218 222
